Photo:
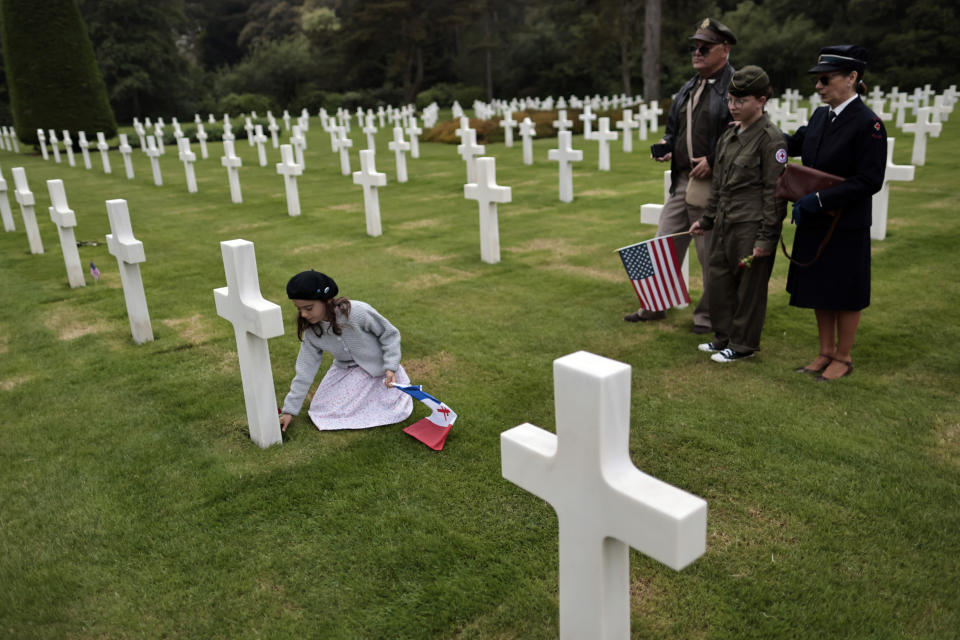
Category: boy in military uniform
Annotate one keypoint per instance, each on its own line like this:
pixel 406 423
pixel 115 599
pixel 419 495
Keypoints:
pixel 745 219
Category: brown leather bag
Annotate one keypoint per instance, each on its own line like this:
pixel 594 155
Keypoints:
pixel 797 181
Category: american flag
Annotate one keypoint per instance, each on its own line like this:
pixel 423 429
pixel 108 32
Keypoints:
pixel 654 270
pixel 94 271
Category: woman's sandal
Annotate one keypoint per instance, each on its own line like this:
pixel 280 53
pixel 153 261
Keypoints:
pixel 820 370
pixel 849 370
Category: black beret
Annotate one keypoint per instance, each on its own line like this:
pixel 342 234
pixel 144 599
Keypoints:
pixel 841 57
pixel 712 31
pixel 311 285
pixel 751 80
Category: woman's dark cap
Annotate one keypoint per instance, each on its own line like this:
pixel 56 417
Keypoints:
pixel 712 31
pixel 841 57
pixel 751 80
pixel 311 285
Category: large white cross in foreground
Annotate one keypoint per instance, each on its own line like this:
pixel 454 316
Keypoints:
pixel 881 199
pixel 129 253
pixel 255 320
pixel 488 193
pixel 604 504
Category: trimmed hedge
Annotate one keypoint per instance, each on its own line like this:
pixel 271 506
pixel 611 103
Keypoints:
pixel 52 73
pixel 490 131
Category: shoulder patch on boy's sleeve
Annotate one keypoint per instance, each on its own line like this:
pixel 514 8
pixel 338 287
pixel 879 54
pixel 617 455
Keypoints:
pixel 781 156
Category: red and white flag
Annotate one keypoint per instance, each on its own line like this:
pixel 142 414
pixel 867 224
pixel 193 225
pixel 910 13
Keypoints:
pixel 432 430
pixel 654 270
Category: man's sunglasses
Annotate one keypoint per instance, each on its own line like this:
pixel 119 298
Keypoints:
pixel 703 49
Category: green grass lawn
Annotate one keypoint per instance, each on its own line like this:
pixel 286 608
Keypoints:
pixel 132 503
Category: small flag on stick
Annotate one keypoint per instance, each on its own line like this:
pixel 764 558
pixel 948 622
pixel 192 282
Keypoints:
pixel 432 430
pixel 94 271
pixel 654 270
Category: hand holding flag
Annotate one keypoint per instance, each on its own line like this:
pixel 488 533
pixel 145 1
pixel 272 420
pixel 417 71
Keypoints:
pixel 432 430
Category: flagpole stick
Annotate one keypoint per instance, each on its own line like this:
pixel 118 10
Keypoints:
pixel 672 235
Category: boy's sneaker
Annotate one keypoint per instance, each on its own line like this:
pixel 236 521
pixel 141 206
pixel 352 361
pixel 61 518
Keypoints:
pixel 709 347
pixel 729 355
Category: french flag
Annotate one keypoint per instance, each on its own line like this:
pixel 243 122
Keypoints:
pixel 432 430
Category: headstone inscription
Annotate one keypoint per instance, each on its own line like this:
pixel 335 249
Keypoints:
pixel 289 169
pixel 65 219
pixel 255 320
pixel 232 162
pixel 604 504
pixel 565 155
pixel 488 193
pixel 129 253
pixel 881 199
pixel 27 209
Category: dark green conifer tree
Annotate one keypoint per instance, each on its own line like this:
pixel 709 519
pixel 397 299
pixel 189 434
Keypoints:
pixel 52 74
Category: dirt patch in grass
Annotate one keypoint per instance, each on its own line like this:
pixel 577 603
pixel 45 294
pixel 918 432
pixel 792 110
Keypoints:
pixel 3 344
pixel 430 367
pixel 9 384
pixel 419 224
pixel 587 272
pixel 70 323
pixel 350 206
pixel 190 329
pixel 558 246
pixel 600 192
pixel 947 443
pixel 438 279
pixel 243 227
pixel 329 246
pixel 416 256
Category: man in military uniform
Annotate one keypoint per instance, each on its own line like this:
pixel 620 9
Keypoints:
pixel 697 118
pixel 745 219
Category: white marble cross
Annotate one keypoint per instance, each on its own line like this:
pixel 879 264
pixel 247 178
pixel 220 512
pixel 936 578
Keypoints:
pixel 125 152
pixel 5 213
pixel 604 504
pixel 65 219
pixel 248 126
pixel 68 148
pixel 343 146
pixel 188 157
pixel 103 148
pixel 153 152
pixel 232 162
pixel 399 146
pixel 653 112
pixel 260 140
pixel 469 151
pixel 564 155
pixel 158 134
pixel 587 117
pixel 142 135
pixel 299 143
pixel 881 199
pixel 508 124
pixel 920 129
pixel 413 131
pixel 371 130
pixel 527 131
pixel 370 179
pixel 627 125
pixel 42 140
pixel 286 120
pixel 13 139
pixel 255 320
pixel 84 149
pixel 202 139
pixel 129 253
pixel 54 146
pixel 488 193
pixel 464 127
pixel 650 214
pixel 604 137
pixel 290 170
pixel 27 209
pixel 940 111
pixel 274 129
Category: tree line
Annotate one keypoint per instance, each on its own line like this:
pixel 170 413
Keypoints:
pixel 178 57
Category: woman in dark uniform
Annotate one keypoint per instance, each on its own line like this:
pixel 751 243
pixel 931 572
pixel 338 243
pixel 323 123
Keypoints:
pixel 847 139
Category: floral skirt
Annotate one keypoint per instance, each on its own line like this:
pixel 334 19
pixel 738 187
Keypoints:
pixel 353 399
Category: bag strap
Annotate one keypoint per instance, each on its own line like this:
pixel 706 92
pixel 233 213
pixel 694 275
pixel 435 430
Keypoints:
pixel 823 245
